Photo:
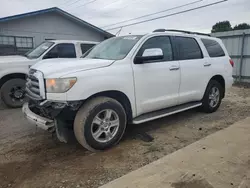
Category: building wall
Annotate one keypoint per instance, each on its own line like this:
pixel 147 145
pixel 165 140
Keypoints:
pixel 49 26
pixel 240 53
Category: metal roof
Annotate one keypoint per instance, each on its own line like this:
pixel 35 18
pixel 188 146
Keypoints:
pixel 57 10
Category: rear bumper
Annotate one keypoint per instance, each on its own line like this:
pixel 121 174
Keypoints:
pixel 229 82
pixel 39 121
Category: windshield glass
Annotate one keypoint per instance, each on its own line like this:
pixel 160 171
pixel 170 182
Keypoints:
pixel 114 49
pixel 38 51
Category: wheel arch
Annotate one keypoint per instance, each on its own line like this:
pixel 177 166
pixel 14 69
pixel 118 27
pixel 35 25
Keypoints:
pixel 11 76
pixel 221 80
pixel 120 97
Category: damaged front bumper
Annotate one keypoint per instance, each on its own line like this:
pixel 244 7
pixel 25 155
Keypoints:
pixel 39 121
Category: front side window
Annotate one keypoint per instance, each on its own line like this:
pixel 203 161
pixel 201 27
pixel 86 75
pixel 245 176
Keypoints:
pixel 213 48
pixel 162 42
pixel 188 48
pixel 38 51
pixel 61 51
pixel 115 48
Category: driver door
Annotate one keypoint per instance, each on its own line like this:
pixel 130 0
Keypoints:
pixel 156 82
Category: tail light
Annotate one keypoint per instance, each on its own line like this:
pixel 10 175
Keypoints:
pixel 231 62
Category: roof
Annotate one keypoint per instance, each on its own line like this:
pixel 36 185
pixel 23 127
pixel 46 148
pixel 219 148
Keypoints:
pixel 60 11
pixel 74 41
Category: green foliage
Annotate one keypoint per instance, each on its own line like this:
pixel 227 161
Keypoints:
pixel 242 26
pixel 221 27
pixel 226 26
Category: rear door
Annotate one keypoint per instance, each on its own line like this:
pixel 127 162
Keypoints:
pixel 195 68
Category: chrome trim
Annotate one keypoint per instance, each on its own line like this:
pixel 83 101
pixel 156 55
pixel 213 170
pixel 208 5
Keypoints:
pixel 41 122
pixel 39 76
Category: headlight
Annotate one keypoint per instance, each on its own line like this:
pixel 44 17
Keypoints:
pixel 59 85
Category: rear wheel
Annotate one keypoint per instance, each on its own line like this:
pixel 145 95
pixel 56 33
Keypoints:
pixel 100 123
pixel 212 97
pixel 13 92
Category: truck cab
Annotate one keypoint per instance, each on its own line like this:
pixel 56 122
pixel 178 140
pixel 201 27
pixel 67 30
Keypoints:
pixel 13 69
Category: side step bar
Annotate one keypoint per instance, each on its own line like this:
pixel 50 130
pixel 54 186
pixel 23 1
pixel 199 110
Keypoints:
pixel 165 112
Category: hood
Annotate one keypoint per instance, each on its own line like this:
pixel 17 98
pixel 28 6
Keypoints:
pixel 14 59
pixel 55 68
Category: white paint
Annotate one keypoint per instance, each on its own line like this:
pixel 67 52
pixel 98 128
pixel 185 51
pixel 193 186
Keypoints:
pixel 149 86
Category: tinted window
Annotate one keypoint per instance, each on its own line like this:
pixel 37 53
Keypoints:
pixel 188 48
pixel 61 51
pixel 66 51
pixel 213 48
pixel 86 47
pixel 161 42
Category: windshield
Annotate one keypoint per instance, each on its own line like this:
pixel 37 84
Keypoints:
pixel 38 51
pixel 114 49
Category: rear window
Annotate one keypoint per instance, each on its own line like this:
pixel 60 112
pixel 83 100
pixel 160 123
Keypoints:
pixel 213 48
pixel 188 48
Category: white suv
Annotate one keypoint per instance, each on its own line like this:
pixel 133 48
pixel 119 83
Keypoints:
pixel 127 79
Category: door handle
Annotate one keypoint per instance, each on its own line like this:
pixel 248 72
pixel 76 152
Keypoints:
pixel 173 68
pixel 207 64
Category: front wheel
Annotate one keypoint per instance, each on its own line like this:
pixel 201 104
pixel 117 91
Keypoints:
pixel 212 98
pixel 100 123
pixel 13 93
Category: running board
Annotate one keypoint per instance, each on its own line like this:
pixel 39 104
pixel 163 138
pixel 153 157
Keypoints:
pixel 165 112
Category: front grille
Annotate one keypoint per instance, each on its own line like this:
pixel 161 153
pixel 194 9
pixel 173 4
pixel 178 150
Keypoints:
pixel 35 85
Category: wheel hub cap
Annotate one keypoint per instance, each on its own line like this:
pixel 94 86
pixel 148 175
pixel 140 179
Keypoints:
pixel 105 125
pixel 214 97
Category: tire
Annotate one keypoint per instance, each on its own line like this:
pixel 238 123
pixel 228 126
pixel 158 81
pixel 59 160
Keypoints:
pixel 9 99
pixel 207 106
pixel 85 127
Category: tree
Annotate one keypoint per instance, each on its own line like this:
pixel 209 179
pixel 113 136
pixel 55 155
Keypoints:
pixel 221 27
pixel 241 26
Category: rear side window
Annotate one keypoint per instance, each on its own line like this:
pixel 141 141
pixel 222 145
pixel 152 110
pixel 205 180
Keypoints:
pixel 86 47
pixel 188 48
pixel 213 48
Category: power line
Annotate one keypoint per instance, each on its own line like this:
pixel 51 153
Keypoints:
pixel 82 5
pixel 128 4
pixel 181 12
pixel 155 13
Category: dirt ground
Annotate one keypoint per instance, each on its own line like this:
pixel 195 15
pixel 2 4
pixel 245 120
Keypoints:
pixel 30 157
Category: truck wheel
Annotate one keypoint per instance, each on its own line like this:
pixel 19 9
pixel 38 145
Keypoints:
pixel 212 98
pixel 13 92
pixel 100 123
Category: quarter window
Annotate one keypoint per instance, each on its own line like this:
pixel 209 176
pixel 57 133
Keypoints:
pixel 86 47
pixel 162 42
pixel 213 48
pixel 188 48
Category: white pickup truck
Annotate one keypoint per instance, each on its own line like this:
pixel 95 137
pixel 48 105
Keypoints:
pixel 13 69
pixel 127 79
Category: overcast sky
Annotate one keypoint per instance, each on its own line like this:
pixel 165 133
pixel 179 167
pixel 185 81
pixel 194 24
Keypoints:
pixel 105 12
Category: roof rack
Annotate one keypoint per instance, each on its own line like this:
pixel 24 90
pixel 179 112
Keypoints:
pixel 181 31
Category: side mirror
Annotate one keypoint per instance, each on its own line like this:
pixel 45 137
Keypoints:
pixel 151 54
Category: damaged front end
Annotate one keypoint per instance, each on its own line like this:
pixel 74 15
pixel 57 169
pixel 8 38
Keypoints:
pixel 55 117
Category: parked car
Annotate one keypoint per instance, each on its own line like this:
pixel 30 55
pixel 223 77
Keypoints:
pixel 13 69
pixel 127 79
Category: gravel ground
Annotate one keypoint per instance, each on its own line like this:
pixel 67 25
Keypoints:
pixel 33 158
